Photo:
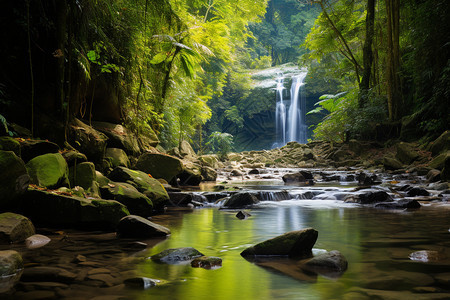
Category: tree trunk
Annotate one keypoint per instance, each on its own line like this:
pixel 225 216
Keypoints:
pixel 364 85
pixel 61 24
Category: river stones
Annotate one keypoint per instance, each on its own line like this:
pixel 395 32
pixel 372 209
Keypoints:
pixel 87 140
pixel 417 191
pixel 14 178
pixel 11 265
pixel 206 262
pixel 141 282
pixel 332 261
pixel 36 241
pixel 14 228
pixel 138 227
pixel 83 174
pixel 119 137
pixel 240 200
pixel 136 202
pixel 160 165
pixel 241 215
pixel 391 163
pixel 295 244
pixel 32 148
pixel 8 143
pixel 177 255
pixel 294 178
pixel 48 170
pixel 117 157
pixel 400 204
pixel 208 174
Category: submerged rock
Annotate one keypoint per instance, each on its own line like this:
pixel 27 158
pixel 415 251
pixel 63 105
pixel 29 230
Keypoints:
pixel 11 266
pixel 333 261
pixel 138 227
pixel 141 282
pixel 14 228
pixel 295 244
pixel 52 274
pixel 14 178
pixel 87 140
pixel 242 215
pixel 206 262
pixel 177 255
pixel 240 200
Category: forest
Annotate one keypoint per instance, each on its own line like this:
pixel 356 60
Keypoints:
pixel 182 68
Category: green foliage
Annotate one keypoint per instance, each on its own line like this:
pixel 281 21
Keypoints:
pixel 262 62
pixel 221 143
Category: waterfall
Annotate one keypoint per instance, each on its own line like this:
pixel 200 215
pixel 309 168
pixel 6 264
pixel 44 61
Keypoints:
pixel 291 126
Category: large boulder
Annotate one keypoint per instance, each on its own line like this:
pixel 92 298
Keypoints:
pixel 439 161
pixel 14 178
pixel 208 174
pixel 8 143
pixel 240 200
pixel 441 144
pixel 14 228
pixel 369 197
pixel 48 170
pixel 209 160
pixel 83 174
pixel 31 148
pixel 191 174
pixel 177 255
pixel 160 165
pixel 293 178
pixel 11 267
pixel 391 163
pixel 137 227
pixel 55 209
pixel 73 157
pixel 118 157
pixel 136 202
pixel 145 184
pixel 406 153
pixel 118 137
pixel 295 244
pixel 87 140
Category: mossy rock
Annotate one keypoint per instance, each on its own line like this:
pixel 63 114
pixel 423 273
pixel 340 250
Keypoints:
pixel 177 255
pixel 9 144
pixel 406 153
pixel 33 148
pixel 145 184
pixel 14 228
pixel 207 262
pixel 441 144
pixel 210 160
pixel 73 157
pixel 10 263
pixel 87 140
pixel 83 175
pixel 14 178
pixel 118 137
pixel 136 202
pixel 159 165
pixel 138 227
pixel 118 157
pixel 48 170
pixel 391 163
pixel 297 244
pixel 439 161
pixel 101 179
pixel 54 209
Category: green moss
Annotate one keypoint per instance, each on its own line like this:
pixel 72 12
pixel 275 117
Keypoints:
pixel 49 170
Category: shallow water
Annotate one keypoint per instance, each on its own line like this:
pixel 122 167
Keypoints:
pixel 377 244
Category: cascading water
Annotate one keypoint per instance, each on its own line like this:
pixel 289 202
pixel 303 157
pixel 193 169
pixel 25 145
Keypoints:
pixel 291 126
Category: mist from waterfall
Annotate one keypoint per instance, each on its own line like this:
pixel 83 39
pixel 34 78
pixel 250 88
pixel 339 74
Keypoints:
pixel 290 123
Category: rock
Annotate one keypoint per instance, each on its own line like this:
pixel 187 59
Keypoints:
pixel 433 175
pixel 48 170
pixel 236 173
pixel 441 144
pixel 207 262
pixel 118 157
pixel 209 160
pixel 101 179
pixel 240 200
pixel 14 228
pixel 136 202
pixel 141 282
pixel 145 184
pixel 307 175
pixel 87 140
pixel 406 153
pixel 180 198
pixel 426 256
pixel 294 178
pixel 160 165
pixel 253 172
pixel 73 157
pixel 296 244
pixel 400 204
pixel 53 274
pixel 36 241
pixel 391 163
pixel 53 209
pixel 208 174
pixel 176 255
pixel 417 191
pixel 191 174
pixel 83 174
pixel 8 143
pixel 439 161
pixel 118 137
pixel 31 148
pixel 11 265
pixel 374 197
pixel 365 179
pixel 242 215
pixel 14 178
pixel 333 261
pixel 445 174
pixel 137 227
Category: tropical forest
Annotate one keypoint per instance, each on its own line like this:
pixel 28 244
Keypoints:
pixel 224 149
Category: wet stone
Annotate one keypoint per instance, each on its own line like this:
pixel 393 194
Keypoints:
pixel 141 282
pixel 99 271
pixel 242 215
pixel 177 255
pixel 47 274
pixel 106 279
pixel 207 262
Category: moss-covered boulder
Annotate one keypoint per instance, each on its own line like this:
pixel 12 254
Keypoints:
pixel 8 143
pixel 406 153
pixel 295 244
pixel 87 140
pixel 14 228
pixel 48 170
pixel 14 178
pixel 176 255
pixel 73 157
pixel 118 157
pixel 441 144
pixel 83 174
pixel 31 148
pixel 210 160
pixel 118 137
pixel 240 200
pixel 208 174
pixel 136 202
pixel 191 174
pixel 56 209
pixel 439 161
pixel 138 227
pixel 160 165
pixel 145 184
pixel 391 163
pixel 11 267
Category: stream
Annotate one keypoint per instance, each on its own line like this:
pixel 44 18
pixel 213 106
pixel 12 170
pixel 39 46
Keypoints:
pixel 392 254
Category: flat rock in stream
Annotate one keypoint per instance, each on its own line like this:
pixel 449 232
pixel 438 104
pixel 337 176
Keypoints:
pixel 295 244
pixel 177 255
pixel 139 227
